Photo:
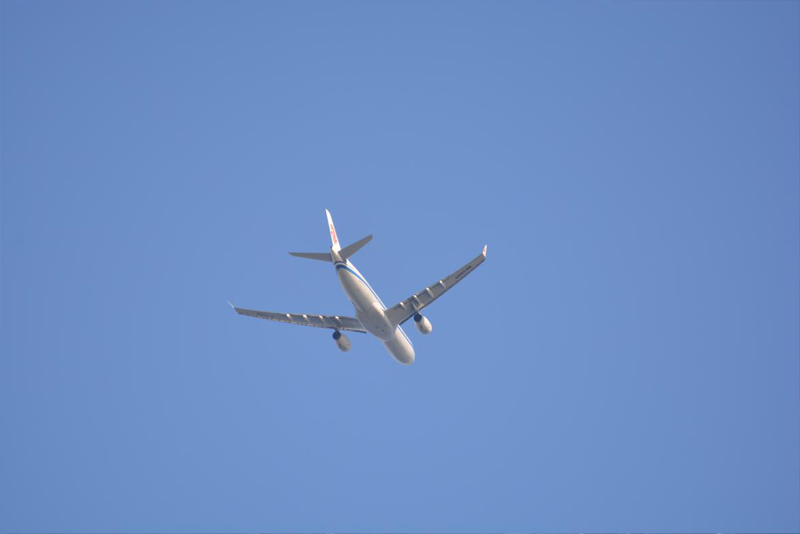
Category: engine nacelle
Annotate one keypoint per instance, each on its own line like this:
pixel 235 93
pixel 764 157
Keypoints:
pixel 342 341
pixel 423 324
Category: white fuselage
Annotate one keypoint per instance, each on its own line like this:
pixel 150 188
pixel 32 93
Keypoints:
pixel 371 312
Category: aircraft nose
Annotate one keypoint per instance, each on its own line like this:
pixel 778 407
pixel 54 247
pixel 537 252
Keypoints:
pixel 408 356
pixel 401 350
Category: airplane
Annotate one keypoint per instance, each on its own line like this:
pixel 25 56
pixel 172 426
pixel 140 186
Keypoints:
pixel 371 314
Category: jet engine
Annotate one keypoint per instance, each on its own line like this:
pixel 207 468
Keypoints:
pixel 342 341
pixel 423 324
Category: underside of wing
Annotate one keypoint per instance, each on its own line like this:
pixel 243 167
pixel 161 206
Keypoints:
pixel 404 310
pixel 334 322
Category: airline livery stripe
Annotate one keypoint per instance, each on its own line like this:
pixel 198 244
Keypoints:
pixel 351 271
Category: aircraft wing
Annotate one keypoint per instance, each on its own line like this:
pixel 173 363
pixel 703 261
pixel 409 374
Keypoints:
pixel 334 322
pixel 404 310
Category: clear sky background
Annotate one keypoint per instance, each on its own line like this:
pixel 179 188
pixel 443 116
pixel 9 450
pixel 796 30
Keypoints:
pixel 627 359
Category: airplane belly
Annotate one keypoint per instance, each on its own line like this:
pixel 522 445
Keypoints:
pixel 356 293
pixel 369 311
pixel 374 320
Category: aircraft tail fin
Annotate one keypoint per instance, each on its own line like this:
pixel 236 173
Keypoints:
pixel 334 239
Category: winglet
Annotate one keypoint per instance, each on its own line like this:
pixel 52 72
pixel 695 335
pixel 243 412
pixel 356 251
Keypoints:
pixel 484 250
pixel 231 305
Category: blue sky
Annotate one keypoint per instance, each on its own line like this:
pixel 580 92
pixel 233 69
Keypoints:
pixel 626 360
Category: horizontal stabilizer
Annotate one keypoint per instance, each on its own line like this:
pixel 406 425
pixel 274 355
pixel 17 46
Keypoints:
pixel 345 253
pixel 349 250
pixel 321 256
